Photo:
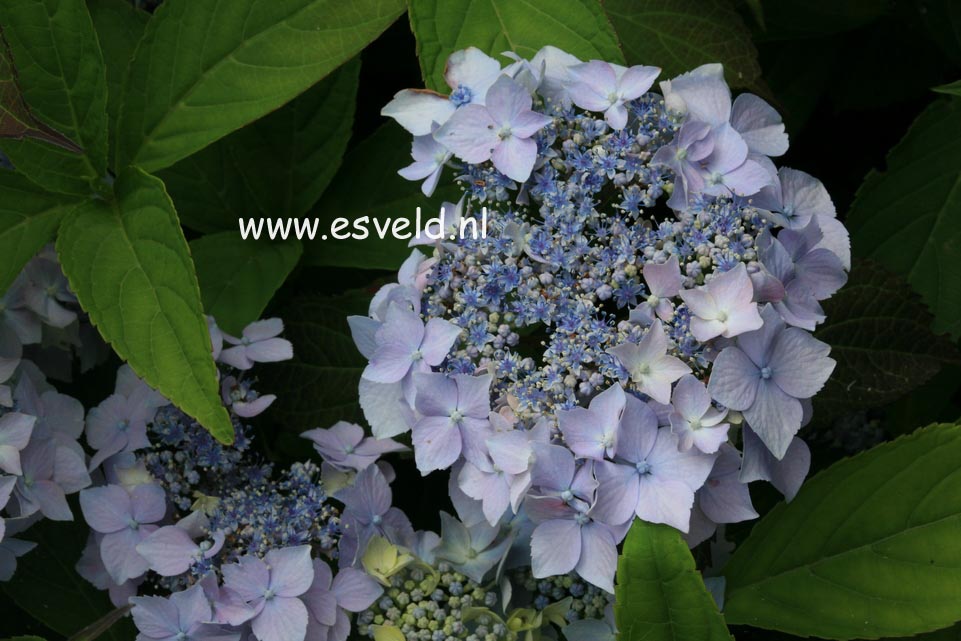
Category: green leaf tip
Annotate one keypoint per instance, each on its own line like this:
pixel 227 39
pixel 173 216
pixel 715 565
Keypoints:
pixel 130 267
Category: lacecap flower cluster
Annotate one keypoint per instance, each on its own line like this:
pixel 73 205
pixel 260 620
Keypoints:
pixel 206 541
pixel 209 541
pixel 632 338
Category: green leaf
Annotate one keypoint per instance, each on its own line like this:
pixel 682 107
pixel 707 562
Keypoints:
pixel 238 277
pixel 869 545
pixel 16 119
pixel 319 386
pixel 246 58
pixel 209 190
pixel 29 638
pixel 130 267
pixel 29 217
pixel 46 584
pixel 879 333
pixel 119 27
pixel 494 26
pixel 374 161
pixel 288 158
pixel 906 217
pixel 679 35
pixel 276 166
pixel 61 74
pixel 952 89
pixel 660 595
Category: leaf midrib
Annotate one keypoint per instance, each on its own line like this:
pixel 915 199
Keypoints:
pixel 666 601
pixel 114 207
pixel 61 77
pixel 153 290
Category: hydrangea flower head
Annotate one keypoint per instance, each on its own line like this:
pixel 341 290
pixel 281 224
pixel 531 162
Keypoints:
pixel 647 271
pixel 10 550
pixel 19 325
pixel 724 498
pixel 429 159
pixel 469 73
pixel 664 281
